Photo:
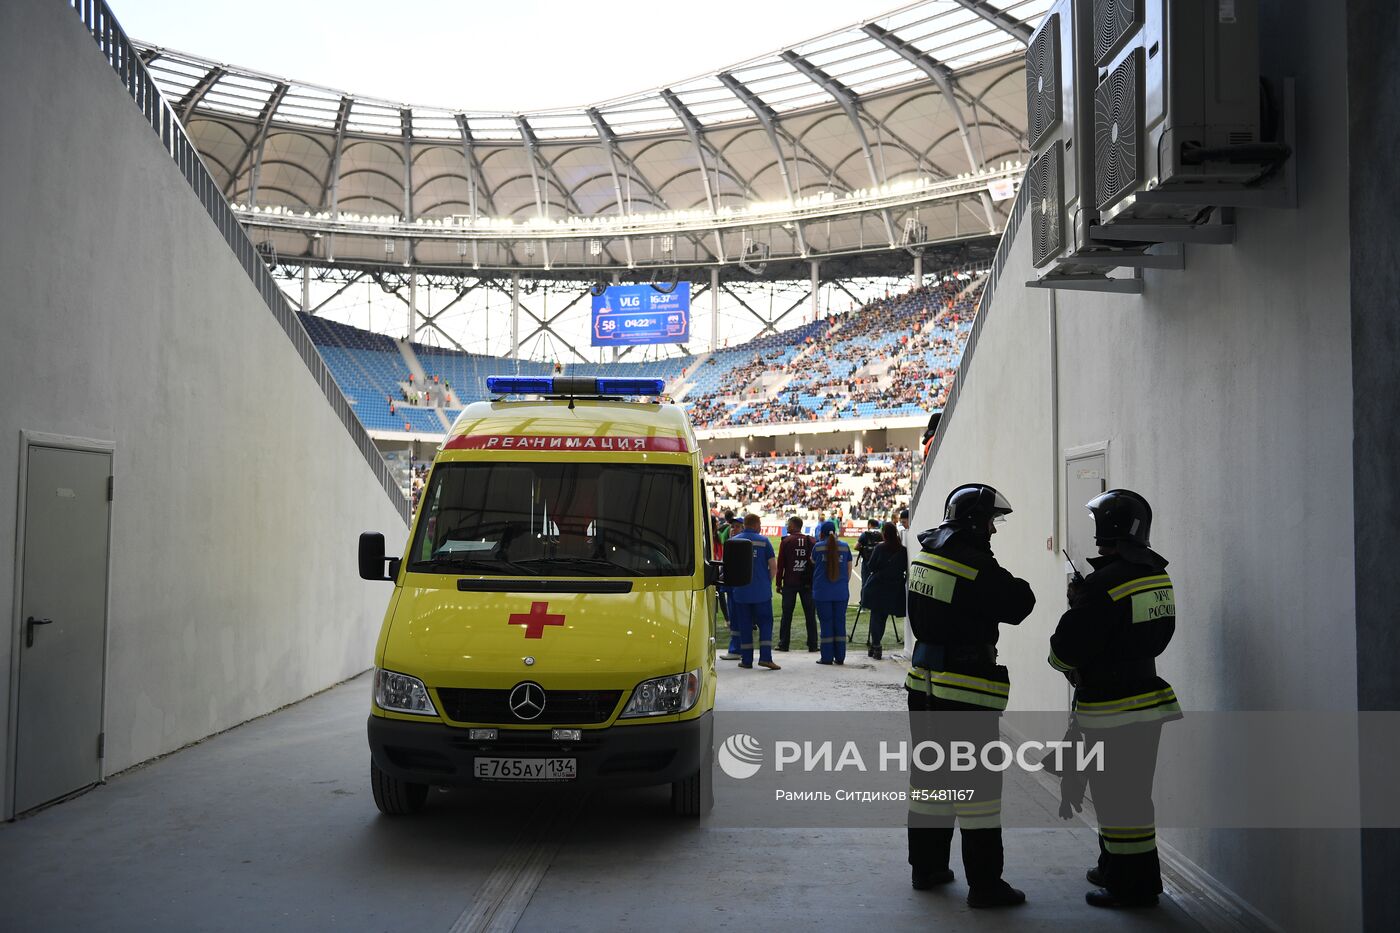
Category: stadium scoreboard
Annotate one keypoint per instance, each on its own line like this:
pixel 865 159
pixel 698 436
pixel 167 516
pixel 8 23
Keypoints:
pixel 628 315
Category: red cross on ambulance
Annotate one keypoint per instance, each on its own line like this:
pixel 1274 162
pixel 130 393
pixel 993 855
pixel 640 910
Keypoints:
pixel 536 619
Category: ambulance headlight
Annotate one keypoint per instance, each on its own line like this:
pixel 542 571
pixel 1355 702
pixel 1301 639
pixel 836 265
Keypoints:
pixel 664 696
pixel 399 693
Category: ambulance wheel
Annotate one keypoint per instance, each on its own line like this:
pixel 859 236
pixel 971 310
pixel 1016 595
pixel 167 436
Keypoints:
pixel 394 797
pixel 694 796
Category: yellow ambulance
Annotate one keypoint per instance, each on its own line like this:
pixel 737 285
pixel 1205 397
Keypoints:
pixel 552 619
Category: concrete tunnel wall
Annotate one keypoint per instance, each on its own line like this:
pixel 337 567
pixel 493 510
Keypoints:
pixel 126 318
pixel 1224 395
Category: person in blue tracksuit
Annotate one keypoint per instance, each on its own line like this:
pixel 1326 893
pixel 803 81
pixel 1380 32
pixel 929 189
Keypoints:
pixel 751 605
pixel 831 591
pixel 730 527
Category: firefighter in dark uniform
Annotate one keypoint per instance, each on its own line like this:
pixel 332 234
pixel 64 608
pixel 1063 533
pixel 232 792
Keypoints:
pixel 1120 618
pixel 959 596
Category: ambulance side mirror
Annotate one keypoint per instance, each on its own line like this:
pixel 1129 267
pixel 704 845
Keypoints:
pixel 738 563
pixel 372 558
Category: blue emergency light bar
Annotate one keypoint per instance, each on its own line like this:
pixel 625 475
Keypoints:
pixel 573 385
pixel 519 385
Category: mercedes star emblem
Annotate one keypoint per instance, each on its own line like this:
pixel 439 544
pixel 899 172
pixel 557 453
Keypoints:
pixel 527 700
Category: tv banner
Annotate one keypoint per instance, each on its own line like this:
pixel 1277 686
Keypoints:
pixel 631 315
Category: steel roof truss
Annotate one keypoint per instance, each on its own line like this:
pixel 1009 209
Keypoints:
pixel 847 100
pixel 196 93
pixel 939 74
pixel 1007 24
pixel 258 144
pixel 337 293
pixel 608 139
pixel 769 120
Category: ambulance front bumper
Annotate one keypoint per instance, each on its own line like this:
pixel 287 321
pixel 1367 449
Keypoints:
pixel 618 756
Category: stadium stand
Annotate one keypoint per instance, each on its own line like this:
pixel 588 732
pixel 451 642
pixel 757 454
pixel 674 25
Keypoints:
pixel 464 374
pixel 668 369
pixel 893 357
pixel 847 486
pixel 368 368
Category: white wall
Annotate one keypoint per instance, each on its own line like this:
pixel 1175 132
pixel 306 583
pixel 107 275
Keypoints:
pixel 1224 394
pixel 126 318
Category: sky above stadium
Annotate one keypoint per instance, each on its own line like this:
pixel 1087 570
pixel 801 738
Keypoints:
pixel 513 55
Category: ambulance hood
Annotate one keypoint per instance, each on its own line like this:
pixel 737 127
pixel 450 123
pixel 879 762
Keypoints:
pixel 562 640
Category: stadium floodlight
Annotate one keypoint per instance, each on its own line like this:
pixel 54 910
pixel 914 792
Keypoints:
pixel 573 385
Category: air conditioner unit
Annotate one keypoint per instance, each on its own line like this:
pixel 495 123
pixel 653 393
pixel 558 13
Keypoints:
pixel 1177 103
pixel 1059 121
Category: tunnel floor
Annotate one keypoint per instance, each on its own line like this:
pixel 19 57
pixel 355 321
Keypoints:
pixel 271 826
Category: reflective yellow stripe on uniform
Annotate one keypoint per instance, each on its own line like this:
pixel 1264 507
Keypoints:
pixel 978 814
pixel 971 814
pixel 959 688
pixel 1128 840
pixel 1153 597
pixel 1140 584
pixel 1057 664
pixel 1145 707
pixel 935 576
pixel 939 562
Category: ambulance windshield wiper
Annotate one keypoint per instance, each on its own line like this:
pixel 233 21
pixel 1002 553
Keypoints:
pixel 460 562
pixel 598 566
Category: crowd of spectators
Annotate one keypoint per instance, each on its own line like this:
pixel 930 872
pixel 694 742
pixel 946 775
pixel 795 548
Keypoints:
pixel 774 411
pixel 843 485
pixel 417 477
pixel 897 352
pixel 889 488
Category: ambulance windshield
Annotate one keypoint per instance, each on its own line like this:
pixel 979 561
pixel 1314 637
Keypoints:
pixel 556 519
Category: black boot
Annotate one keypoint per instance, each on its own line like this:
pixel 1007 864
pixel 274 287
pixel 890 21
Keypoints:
pixel 997 894
pixel 922 879
pixel 1102 897
pixel 877 653
pixel 1095 877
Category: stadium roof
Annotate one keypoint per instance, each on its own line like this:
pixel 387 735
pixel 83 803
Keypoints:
pixel 928 92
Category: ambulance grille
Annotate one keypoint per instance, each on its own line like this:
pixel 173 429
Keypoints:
pixel 561 706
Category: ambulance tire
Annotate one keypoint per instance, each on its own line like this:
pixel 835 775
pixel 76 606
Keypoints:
pixel 694 796
pixel 394 797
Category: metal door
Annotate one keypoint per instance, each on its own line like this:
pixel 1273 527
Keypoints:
pixel 1086 475
pixel 62 623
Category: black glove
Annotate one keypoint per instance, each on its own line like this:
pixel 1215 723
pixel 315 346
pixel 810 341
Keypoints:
pixel 1071 794
pixel 1072 780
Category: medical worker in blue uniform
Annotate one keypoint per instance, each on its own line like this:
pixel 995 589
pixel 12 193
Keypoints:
pixel 751 605
pixel 831 591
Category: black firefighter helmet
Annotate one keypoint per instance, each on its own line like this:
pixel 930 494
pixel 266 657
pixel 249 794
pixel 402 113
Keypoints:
pixel 1122 519
pixel 973 504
